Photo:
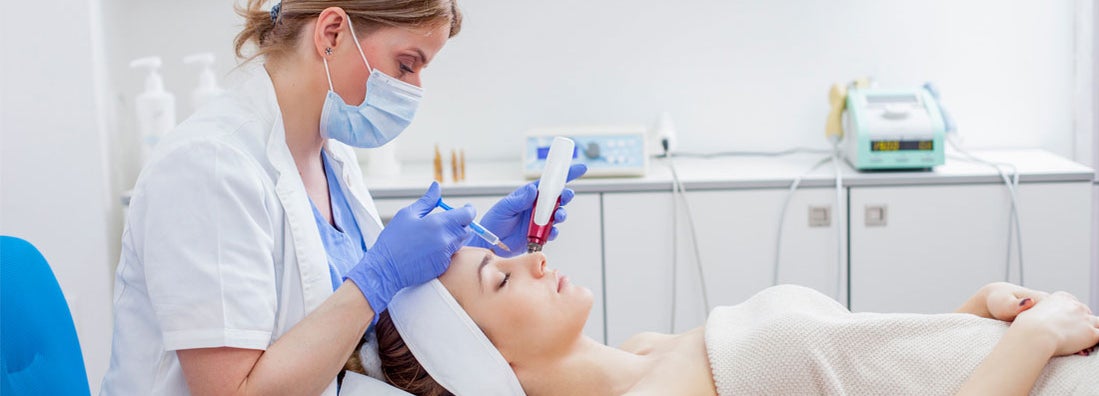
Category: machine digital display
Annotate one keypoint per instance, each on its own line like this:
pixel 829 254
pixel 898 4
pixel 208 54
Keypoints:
pixel 902 145
pixel 543 152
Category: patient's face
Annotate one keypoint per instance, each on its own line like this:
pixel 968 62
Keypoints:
pixel 522 306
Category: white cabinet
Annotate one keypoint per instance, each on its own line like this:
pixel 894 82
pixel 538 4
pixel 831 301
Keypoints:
pixel 576 252
pixel 936 245
pixel 736 231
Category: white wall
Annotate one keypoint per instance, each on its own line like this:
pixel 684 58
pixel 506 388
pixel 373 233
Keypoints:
pixel 169 29
pixel 734 74
pixel 52 162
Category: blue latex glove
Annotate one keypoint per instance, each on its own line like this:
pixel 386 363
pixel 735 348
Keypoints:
pixel 510 218
pixel 414 248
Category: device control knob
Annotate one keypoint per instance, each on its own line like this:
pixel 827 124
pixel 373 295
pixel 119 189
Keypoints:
pixel 592 150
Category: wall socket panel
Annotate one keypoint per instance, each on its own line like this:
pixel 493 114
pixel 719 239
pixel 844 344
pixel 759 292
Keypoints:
pixel 820 216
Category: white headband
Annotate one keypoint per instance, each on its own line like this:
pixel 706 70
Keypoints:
pixel 448 344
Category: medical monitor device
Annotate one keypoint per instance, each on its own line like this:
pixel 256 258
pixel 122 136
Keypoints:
pixel 893 129
pixel 608 151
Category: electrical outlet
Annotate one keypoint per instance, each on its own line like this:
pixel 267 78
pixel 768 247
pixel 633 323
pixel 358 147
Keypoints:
pixel 820 216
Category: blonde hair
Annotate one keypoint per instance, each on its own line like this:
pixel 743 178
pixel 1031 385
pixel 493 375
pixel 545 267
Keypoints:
pixel 276 33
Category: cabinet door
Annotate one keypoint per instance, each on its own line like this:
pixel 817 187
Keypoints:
pixel 1095 248
pixel 736 231
pixel 577 251
pixel 938 244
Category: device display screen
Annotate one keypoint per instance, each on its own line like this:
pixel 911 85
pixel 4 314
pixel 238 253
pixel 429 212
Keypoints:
pixel 902 145
pixel 543 152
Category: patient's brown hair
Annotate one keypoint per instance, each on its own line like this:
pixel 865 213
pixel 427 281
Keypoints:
pixel 401 369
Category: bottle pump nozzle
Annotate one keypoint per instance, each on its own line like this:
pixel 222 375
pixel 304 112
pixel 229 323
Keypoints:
pixel 554 176
pixel 151 65
pixel 207 81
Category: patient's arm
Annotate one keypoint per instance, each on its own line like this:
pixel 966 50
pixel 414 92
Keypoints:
pixel 1059 325
pixel 1001 300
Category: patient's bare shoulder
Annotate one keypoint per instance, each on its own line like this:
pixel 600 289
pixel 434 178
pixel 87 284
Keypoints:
pixel 644 343
pixel 681 367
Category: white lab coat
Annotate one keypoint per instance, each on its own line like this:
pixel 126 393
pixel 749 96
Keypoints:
pixel 220 246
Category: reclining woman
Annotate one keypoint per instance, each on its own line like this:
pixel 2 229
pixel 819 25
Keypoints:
pixel 783 340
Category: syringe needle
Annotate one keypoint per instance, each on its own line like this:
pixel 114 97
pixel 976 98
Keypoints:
pixel 480 230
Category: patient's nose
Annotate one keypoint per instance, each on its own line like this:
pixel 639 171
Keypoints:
pixel 537 263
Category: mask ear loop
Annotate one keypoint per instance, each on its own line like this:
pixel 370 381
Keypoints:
pixel 328 51
pixel 355 38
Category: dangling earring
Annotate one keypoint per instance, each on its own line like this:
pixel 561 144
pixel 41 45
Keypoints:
pixel 328 51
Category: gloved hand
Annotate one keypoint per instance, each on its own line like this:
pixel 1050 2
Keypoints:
pixel 510 218
pixel 414 248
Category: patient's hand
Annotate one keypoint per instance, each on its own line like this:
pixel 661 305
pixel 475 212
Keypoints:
pixel 1061 320
pixel 1004 301
pixel 1001 300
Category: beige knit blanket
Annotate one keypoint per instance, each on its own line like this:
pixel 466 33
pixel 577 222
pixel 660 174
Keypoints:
pixel 791 340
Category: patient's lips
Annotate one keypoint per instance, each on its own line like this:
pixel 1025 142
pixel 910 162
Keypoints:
pixel 561 282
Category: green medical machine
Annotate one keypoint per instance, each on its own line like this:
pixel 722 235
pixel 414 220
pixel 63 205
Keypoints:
pixel 893 129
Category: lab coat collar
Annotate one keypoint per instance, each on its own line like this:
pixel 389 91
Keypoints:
pixel 314 272
pixel 309 250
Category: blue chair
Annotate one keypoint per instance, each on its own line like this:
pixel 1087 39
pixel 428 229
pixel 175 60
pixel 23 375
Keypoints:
pixel 39 350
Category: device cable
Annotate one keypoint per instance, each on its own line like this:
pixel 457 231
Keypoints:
pixel 782 216
pixel 838 217
pixel 1012 184
pixel 675 249
pixel 678 186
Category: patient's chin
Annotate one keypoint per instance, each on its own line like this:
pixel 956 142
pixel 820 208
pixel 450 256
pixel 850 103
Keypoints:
pixel 585 299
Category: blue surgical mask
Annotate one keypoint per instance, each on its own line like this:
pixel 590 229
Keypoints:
pixel 386 110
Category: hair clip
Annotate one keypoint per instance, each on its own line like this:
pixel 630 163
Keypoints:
pixel 275 11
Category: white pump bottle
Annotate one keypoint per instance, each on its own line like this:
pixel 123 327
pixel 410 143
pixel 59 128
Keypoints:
pixel 156 108
pixel 208 88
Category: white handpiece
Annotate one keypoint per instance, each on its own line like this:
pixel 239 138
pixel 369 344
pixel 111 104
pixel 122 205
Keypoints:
pixel 553 179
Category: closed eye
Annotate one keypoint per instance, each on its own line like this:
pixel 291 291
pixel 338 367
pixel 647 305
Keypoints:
pixel 507 275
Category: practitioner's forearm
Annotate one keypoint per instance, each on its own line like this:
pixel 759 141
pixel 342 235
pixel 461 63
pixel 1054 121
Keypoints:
pixel 304 361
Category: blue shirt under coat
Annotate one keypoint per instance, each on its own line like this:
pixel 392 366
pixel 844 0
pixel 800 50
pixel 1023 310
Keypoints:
pixel 343 243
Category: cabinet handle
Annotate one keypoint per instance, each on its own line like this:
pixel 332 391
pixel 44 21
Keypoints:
pixel 876 215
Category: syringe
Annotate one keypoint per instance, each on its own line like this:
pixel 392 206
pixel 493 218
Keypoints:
pixel 481 231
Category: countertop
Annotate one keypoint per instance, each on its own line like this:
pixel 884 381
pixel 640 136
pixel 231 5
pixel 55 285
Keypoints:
pixel 498 178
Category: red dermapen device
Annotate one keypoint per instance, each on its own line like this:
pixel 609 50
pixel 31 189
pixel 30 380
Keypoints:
pixel 554 176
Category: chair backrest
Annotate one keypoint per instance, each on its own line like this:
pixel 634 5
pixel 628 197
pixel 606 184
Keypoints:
pixel 39 350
